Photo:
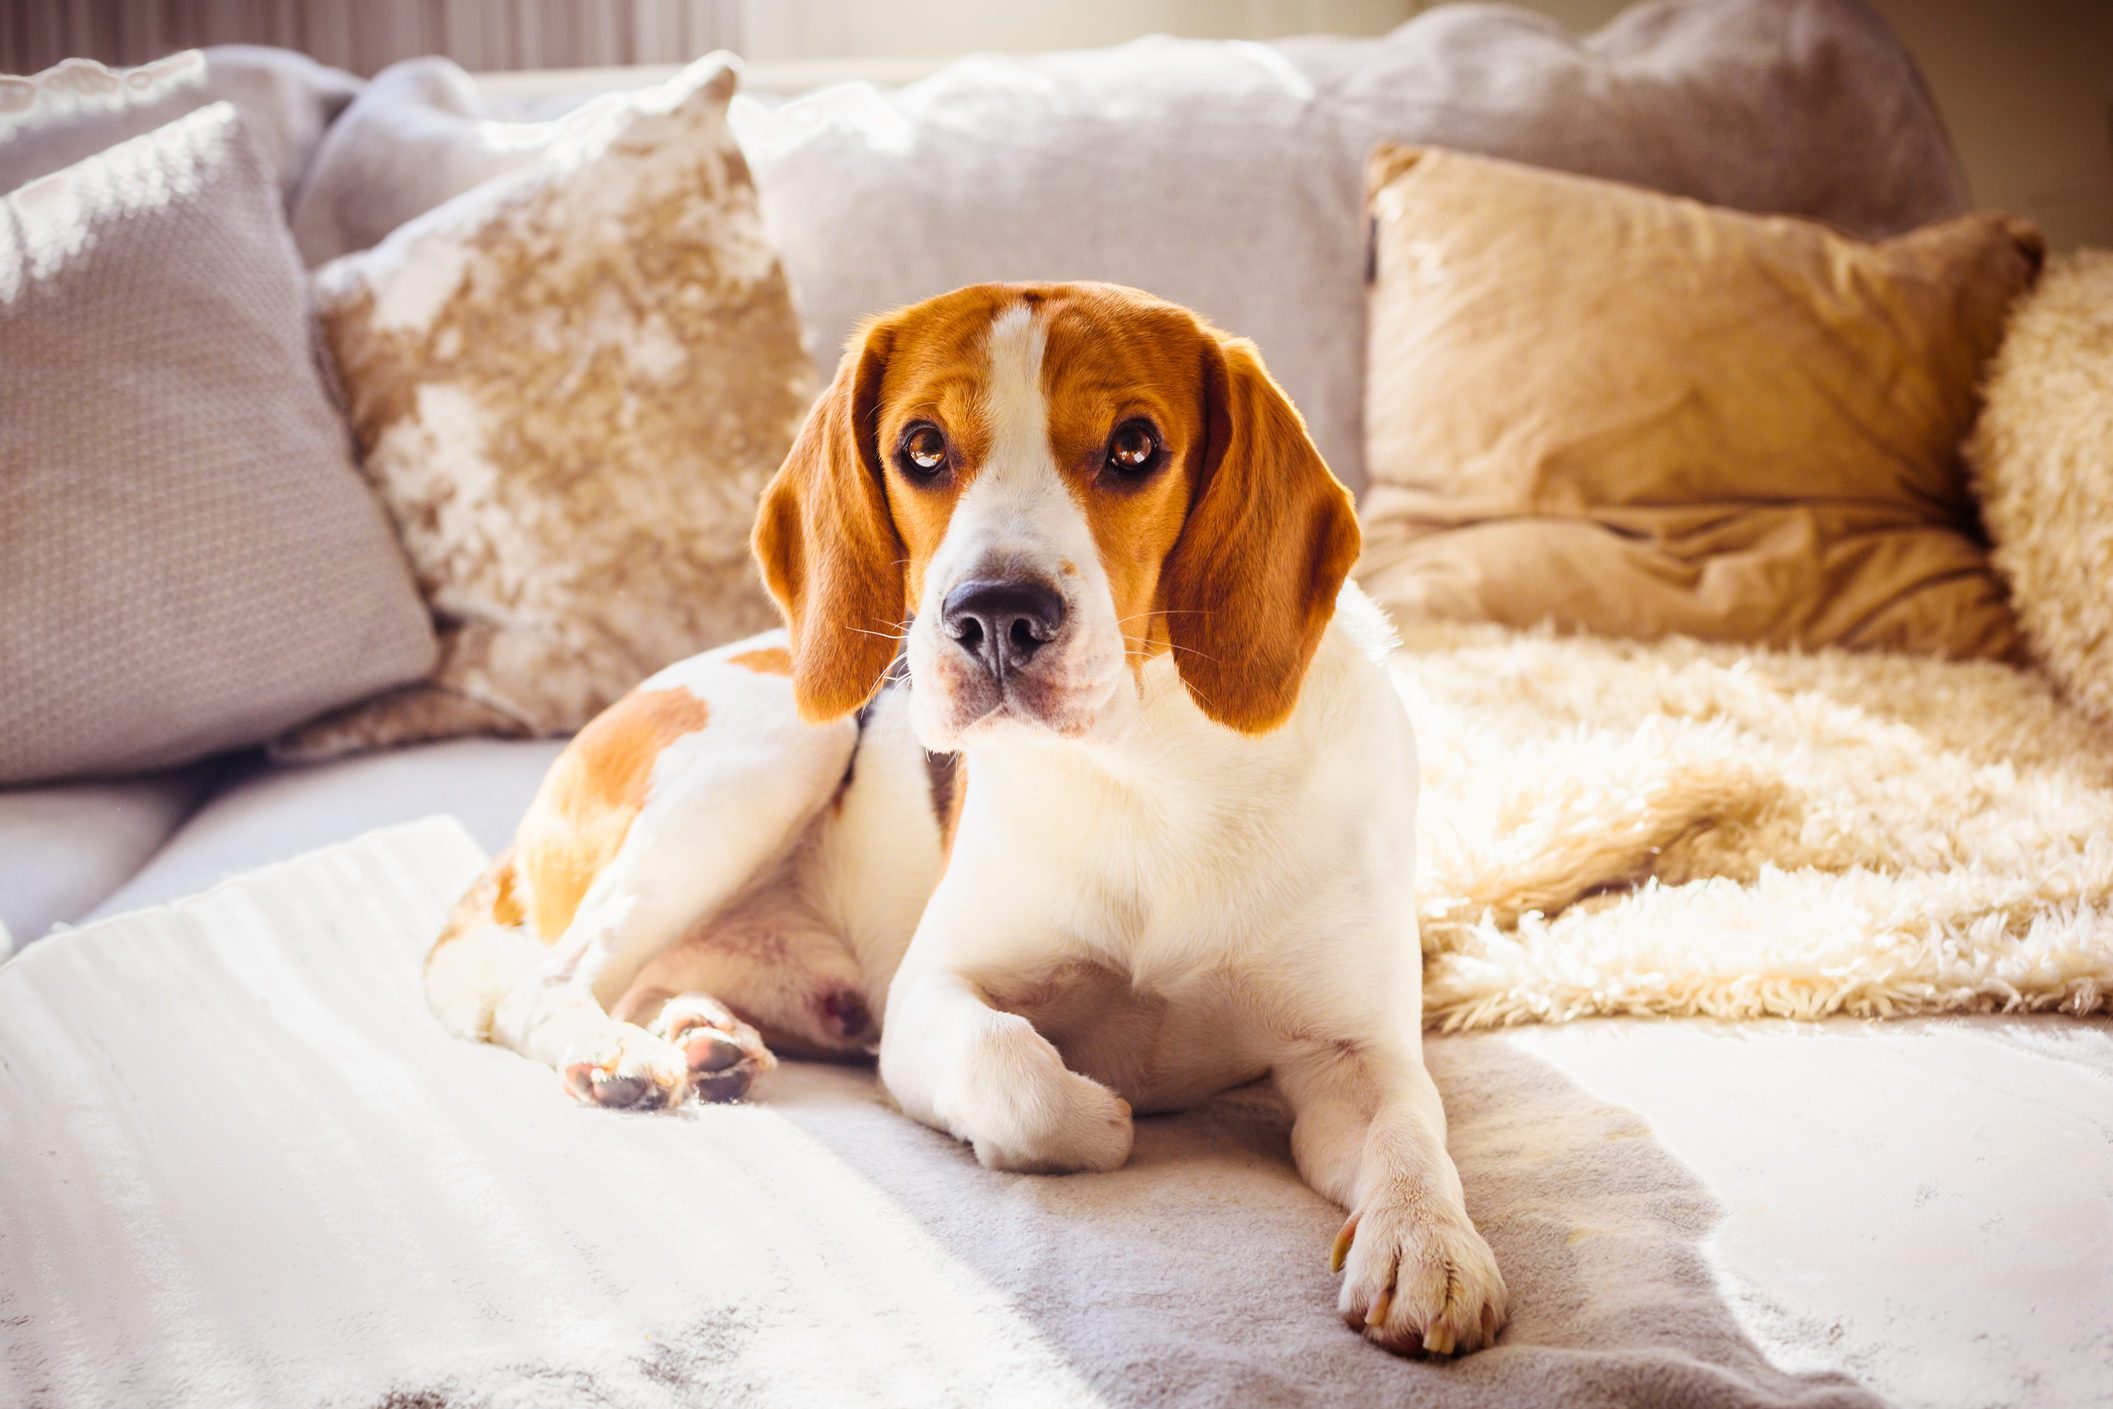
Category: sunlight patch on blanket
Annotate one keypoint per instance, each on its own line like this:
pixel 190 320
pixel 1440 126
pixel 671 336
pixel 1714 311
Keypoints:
pixel 1926 1213
pixel 245 1166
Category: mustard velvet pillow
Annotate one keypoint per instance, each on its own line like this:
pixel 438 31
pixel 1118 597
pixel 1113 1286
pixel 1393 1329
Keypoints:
pixel 1636 415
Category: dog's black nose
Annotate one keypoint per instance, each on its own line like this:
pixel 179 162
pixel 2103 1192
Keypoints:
pixel 1003 623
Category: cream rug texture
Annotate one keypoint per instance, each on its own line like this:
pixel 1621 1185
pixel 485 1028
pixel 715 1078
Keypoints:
pixel 1672 828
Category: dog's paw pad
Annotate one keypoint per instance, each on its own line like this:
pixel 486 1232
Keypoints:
pixel 630 1074
pixel 722 1055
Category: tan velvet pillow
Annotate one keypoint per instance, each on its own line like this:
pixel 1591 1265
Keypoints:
pixel 568 386
pixel 1637 415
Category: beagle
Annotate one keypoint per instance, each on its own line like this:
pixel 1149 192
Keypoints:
pixel 1075 783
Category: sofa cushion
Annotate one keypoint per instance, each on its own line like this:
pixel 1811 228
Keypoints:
pixel 263 812
pixel 569 387
pixel 78 108
pixel 1637 415
pixel 65 847
pixel 1226 176
pixel 189 558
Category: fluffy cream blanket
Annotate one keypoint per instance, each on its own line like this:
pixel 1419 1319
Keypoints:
pixel 1674 828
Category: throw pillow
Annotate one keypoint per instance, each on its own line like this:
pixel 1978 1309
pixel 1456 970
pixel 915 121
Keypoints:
pixel 189 559
pixel 569 386
pixel 1633 414
pixel 2043 463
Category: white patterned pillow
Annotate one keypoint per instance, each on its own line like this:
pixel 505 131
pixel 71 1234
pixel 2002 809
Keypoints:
pixel 569 385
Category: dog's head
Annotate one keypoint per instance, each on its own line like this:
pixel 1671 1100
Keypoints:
pixel 1049 485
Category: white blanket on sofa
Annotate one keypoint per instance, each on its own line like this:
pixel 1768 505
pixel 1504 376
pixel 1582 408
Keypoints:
pixel 240 1165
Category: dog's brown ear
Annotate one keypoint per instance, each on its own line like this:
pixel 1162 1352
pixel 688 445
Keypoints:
pixel 827 543
pixel 1271 534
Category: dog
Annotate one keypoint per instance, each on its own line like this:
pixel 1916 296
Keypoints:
pixel 1077 763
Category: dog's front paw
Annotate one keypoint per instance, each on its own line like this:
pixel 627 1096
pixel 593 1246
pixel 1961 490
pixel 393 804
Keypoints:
pixel 628 1069
pixel 722 1054
pixel 1417 1278
pixel 1069 1124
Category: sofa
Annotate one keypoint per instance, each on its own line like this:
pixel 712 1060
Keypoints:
pixel 260 1176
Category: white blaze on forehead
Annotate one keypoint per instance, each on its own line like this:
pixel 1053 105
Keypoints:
pixel 1018 410
pixel 1017 510
pixel 1019 518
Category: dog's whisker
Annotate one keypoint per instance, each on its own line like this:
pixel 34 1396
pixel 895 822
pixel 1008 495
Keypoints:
pixel 1165 611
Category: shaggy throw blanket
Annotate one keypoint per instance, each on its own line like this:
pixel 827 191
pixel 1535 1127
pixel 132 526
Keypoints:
pixel 1675 828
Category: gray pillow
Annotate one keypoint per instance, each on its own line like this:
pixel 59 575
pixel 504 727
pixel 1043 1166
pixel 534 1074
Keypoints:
pixel 189 560
pixel 79 107
pixel 419 134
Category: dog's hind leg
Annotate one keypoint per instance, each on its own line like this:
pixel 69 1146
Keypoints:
pixel 663 811
pixel 767 972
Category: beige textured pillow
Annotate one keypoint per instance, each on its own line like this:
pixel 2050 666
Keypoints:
pixel 2043 464
pixel 569 386
pixel 1632 414
pixel 189 560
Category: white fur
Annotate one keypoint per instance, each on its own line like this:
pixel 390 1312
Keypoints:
pixel 1261 889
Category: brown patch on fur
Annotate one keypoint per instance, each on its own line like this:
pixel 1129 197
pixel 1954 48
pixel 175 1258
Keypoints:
pixel 491 899
pixel 1246 609
pixel 505 906
pixel 946 776
pixel 1112 355
pixel 768 660
pixel 827 546
pixel 1232 555
pixel 843 537
pixel 592 795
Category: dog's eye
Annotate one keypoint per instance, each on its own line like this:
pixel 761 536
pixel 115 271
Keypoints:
pixel 923 451
pixel 1133 450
